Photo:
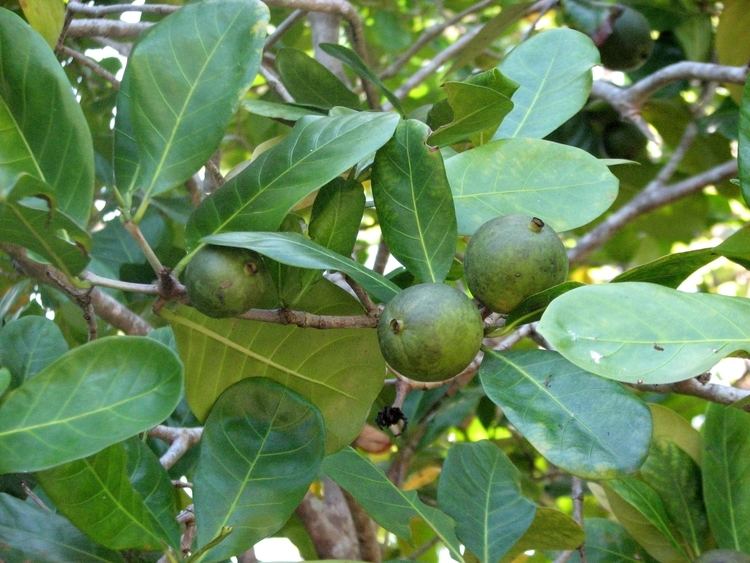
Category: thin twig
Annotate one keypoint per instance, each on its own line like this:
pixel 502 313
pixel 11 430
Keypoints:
pixel 33 496
pixel 91 64
pixel 145 247
pixel 98 11
pixel 381 258
pixel 309 320
pixel 722 394
pixel 283 27
pixel 180 441
pixel 145 288
pixel 106 28
pixel 275 83
pixel 372 309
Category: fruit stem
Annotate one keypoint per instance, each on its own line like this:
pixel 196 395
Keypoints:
pixel 536 225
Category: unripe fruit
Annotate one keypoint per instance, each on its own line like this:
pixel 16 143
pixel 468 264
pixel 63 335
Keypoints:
pixel 630 44
pixel 222 281
pixel 624 140
pixel 430 332
pixel 512 257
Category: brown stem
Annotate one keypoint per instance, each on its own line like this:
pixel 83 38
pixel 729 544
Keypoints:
pixel 309 320
pixel 369 547
pixel 180 441
pixel 91 64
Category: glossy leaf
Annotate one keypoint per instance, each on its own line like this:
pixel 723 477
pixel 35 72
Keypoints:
pixel 743 143
pixel 565 186
pixel 671 427
pixel 152 483
pixel 479 105
pixel 94 493
pixel 553 71
pixel 45 16
pixel 30 533
pixel 34 224
pixel 388 505
pixel 531 308
pixel 731 48
pixel 608 542
pixel 480 489
pixel 587 425
pixel 606 330
pixel 91 397
pixel 414 203
pixel 5 378
pixel 336 215
pixel 340 371
pixel 294 249
pixel 28 345
pixel 551 529
pixel 43 132
pixel 677 480
pixel 274 110
pixel 317 150
pixel 646 518
pixel 726 466
pixel 261 448
pixel 184 80
pixel 355 62
pixel 311 83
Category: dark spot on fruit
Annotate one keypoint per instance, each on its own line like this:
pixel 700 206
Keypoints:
pixel 251 268
pixel 396 326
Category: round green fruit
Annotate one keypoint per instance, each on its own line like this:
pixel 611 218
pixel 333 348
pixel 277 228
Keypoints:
pixel 624 140
pixel 512 257
pixel 222 281
pixel 630 44
pixel 430 332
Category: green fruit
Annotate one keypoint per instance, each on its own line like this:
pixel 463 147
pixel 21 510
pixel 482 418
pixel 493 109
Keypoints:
pixel 624 140
pixel 629 44
pixel 512 257
pixel 223 282
pixel 430 332
pixel 723 556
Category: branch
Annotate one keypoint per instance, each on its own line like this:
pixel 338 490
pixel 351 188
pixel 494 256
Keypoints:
pixel 576 493
pixel 283 27
pixel 146 288
pixel 309 320
pixel 106 28
pixel 275 83
pixel 180 441
pixel 98 11
pixel 91 64
pixel 366 530
pixel 428 35
pixel 713 392
pixel 645 201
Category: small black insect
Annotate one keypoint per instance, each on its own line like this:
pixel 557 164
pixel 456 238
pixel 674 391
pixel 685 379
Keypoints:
pixel 388 416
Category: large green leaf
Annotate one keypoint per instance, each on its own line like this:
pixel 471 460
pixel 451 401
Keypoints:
pixel 551 529
pixel 670 426
pixel 743 146
pixel 30 533
pixel 340 371
pixel 585 424
pixel 553 71
pixel 726 467
pixel 649 511
pixel 677 479
pixel 184 80
pixel 311 83
pixel 479 104
pixel 94 493
pixel 641 332
pixel 91 397
pixel 43 132
pixel 388 505
pixel 46 16
pixel 28 345
pixel 294 249
pixel 565 186
pixel 317 150
pixel 414 203
pixel 481 490
pixel 608 542
pixel 731 47
pixel 261 448
pixel 151 481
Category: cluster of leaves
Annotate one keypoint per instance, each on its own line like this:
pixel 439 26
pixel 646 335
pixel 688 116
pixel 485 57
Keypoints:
pixel 280 404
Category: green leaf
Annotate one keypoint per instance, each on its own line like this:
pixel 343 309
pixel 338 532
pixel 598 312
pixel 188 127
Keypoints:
pixel 479 105
pixel 388 505
pixel 608 542
pixel 481 490
pixel 649 507
pixel 43 132
pixel 45 16
pixel 731 48
pixel 32 534
pixel 294 249
pixel 551 529
pixel 336 215
pixel 91 397
pixel 607 330
pixel 94 493
pixel 670 426
pixel 743 147
pixel 726 466
pixel 340 371
pixel 261 448
pixel 353 61
pixel 274 110
pixel 587 425
pixel 553 70
pixel 414 203
pixel 184 80
pixel 531 308
pixel 311 83
pixel 34 224
pixel 677 480
pixel 151 481
pixel 5 379
pixel 316 151
pixel 565 186
pixel 28 345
